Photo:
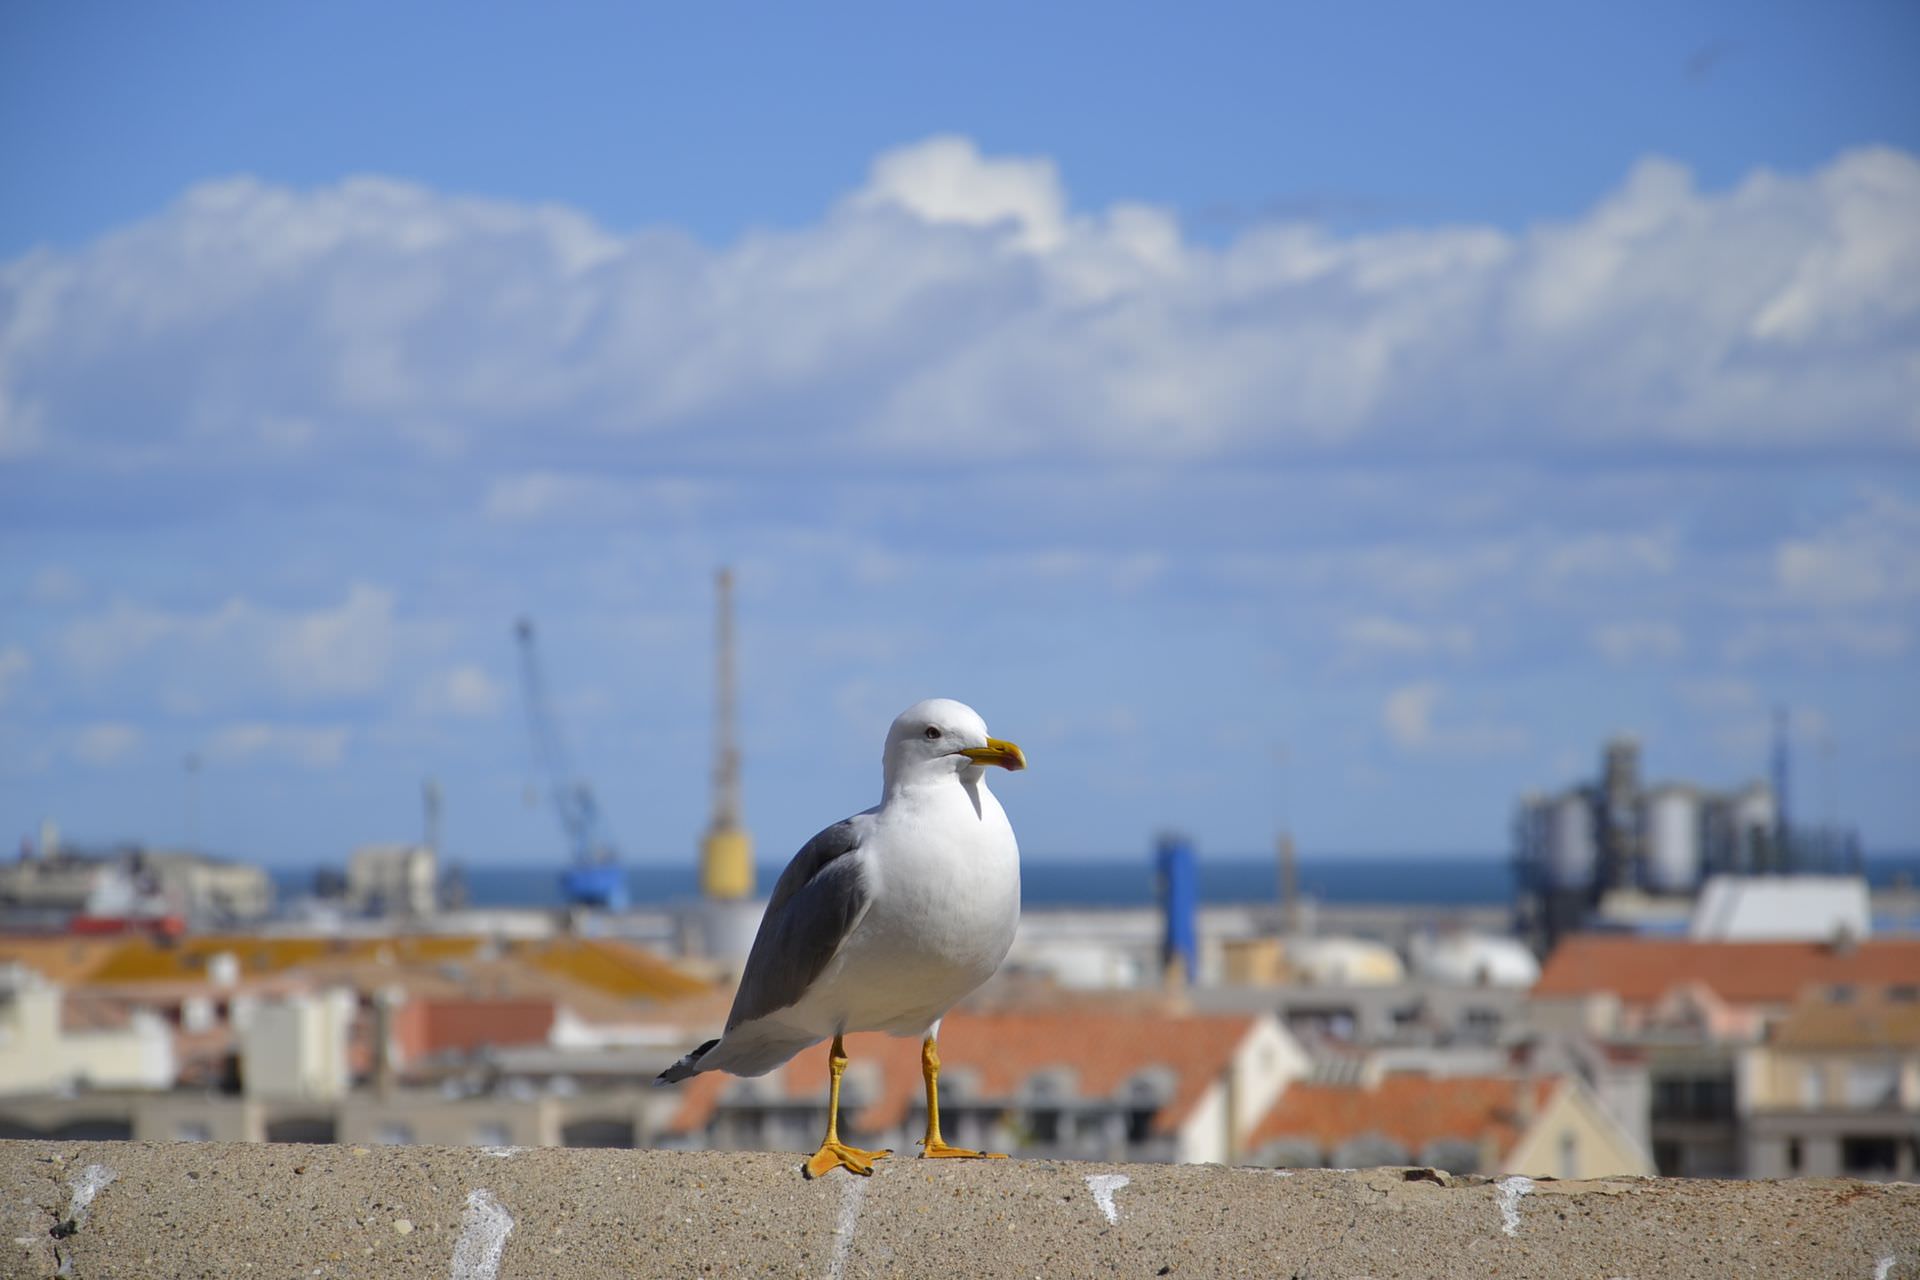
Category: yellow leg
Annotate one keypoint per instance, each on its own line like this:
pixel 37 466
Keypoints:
pixel 933 1146
pixel 833 1153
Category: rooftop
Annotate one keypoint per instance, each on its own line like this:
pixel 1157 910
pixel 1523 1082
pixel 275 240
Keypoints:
pixel 998 1052
pixel 1640 970
pixel 1414 1111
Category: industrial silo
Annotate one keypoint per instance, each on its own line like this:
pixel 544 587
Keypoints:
pixel 1572 851
pixel 1672 824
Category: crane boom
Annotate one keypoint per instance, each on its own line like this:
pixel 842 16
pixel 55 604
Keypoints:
pixel 595 877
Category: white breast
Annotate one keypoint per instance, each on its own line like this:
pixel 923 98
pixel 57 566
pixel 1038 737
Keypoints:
pixel 944 880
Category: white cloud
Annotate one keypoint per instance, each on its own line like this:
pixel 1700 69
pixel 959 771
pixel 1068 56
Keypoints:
pixel 955 306
pixel 15 662
pixel 946 179
pixel 56 585
pixel 315 746
pixel 1409 717
pixel 466 690
pixel 1819 639
pixel 1871 556
pixel 1383 637
pixel 1408 714
pixel 104 743
pixel 529 496
pixel 1719 694
pixel 1610 555
pixel 1623 642
pixel 330 651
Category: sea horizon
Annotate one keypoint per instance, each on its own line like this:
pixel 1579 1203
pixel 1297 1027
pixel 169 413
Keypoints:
pixel 1420 879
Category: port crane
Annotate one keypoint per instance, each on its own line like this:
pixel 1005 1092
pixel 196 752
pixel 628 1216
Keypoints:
pixel 595 877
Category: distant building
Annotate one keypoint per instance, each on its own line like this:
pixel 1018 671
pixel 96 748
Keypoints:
pixel 368 1039
pixel 132 883
pixel 1716 1024
pixel 393 880
pixel 1835 1090
pixel 47 1048
pixel 1547 1127
pixel 1616 850
pixel 1780 908
pixel 1134 1084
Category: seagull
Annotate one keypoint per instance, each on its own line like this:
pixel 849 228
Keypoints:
pixel 883 922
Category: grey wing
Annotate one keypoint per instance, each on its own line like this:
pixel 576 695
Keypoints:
pixel 815 904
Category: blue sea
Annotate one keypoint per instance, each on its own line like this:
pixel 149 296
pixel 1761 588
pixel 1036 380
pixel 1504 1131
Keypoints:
pixel 1433 880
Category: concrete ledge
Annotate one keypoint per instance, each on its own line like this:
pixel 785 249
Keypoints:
pixel 101 1210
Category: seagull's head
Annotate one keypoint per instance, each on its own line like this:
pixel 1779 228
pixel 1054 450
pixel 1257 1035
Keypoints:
pixel 941 737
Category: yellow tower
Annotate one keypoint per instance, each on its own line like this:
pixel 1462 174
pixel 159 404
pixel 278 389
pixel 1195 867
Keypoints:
pixel 726 855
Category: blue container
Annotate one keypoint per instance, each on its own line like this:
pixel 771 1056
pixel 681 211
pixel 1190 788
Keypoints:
pixel 1179 876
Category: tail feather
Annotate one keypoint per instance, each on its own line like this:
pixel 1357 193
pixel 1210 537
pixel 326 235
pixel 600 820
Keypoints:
pixel 686 1067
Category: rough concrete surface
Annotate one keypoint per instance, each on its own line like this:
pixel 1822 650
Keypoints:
pixel 163 1210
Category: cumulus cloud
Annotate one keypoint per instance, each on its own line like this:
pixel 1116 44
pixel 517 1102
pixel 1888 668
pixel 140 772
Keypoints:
pixel 1871 556
pixel 105 742
pixel 314 746
pixel 1632 641
pixel 331 651
pixel 1409 717
pixel 956 305
pixel 14 664
pixel 466 690
pixel 1382 637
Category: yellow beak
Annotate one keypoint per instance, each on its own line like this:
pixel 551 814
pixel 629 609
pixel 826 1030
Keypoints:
pixel 1005 754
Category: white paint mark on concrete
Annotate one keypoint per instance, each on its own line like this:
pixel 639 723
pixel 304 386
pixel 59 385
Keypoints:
pixel 1507 1193
pixel 1883 1268
pixel 843 1225
pixel 501 1153
pixel 93 1179
pixel 483 1234
pixel 1103 1185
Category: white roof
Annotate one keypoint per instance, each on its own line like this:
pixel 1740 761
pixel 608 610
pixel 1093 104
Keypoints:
pixel 1474 959
pixel 1781 909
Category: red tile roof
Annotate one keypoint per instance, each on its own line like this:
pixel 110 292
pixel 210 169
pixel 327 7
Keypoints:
pixel 427 1027
pixel 1001 1051
pixel 1411 1110
pixel 1641 970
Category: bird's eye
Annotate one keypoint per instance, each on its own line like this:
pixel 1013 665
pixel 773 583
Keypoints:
pixel 933 731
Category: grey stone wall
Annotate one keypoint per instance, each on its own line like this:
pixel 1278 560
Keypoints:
pixel 154 1210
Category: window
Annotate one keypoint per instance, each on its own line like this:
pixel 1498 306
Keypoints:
pixel 1693 1098
pixel 1872 1085
pixel 1811 1092
pixel 1794 1155
pixel 1867 1156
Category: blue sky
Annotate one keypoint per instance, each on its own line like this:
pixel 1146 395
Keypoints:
pixel 1413 401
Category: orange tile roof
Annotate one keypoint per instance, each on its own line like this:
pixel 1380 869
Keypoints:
pixel 1001 1050
pixel 144 960
pixel 612 968
pixel 615 968
pixel 1641 970
pixel 63 960
pixel 1412 1110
